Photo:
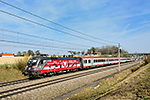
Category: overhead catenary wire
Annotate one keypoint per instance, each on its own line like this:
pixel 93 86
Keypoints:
pixel 44 38
pixel 41 48
pixel 127 49
pixel 17 42
pixel 31 21
pixel 31 40
pixel 35 15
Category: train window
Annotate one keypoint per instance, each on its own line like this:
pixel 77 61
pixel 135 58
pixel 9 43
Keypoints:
pixel 89 61
pixel 85 61
pixel 32 61
pixel 41 62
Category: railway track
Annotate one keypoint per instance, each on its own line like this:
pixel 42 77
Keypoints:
pixel 26 80
pixel 10 92
pixel 14 82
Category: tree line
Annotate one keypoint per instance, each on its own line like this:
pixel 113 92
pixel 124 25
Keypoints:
pixel 28 53
pixel 111 50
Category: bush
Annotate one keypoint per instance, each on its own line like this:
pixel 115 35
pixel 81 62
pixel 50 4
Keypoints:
pixel 133 69
pixel 21 64
pixel 147 60
pixel 7 67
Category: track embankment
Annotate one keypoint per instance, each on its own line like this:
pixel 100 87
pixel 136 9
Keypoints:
pixel 128 84
pixel 50 88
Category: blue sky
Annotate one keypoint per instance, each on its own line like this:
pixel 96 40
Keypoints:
pixel 120 21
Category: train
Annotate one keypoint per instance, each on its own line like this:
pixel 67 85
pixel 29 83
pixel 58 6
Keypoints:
pixel 40 66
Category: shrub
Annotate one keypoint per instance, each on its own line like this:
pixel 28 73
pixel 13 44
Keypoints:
pixel 21 64
pixel 6 66
pixel 147 60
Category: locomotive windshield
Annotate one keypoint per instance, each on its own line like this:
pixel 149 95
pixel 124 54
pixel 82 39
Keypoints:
pixel 32 61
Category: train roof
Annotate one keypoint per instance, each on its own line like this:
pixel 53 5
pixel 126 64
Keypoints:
pixel 56 58
pixel 74 58
pixel 94 57
pixel 104 57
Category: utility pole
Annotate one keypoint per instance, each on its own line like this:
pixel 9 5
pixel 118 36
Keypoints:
pixel 119 57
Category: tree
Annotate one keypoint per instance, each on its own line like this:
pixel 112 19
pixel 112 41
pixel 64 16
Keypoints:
pixel 78 52
pixel 37 52
pixel 19 53
pixel 74 52
pixel 71 52
pixel 82 52
pixel 93 50
pixel 105 50
pixel 30 52
pixel 89 51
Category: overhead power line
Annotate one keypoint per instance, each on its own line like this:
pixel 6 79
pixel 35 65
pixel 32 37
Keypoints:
pixel 12 37
pixel 31 21
pixel 35 15
pixel 41 48
pixel 8 41
pixel 42 38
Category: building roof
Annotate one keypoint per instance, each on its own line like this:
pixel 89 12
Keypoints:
pixel 7 54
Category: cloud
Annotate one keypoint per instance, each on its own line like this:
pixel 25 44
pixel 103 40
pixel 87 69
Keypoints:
pixel 125 28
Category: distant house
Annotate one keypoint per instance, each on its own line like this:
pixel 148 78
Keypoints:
pixel 7 55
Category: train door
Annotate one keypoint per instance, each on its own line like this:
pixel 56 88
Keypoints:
pixel 81 62
pixel 106 61
pixel 92 61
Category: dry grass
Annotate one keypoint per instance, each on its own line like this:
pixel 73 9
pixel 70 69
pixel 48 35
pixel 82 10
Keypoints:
pixel 105 88
pixel 137 88
pixel 10 72
pixel 9 60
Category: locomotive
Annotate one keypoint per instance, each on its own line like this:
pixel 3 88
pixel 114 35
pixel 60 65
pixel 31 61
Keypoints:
pixel 42 66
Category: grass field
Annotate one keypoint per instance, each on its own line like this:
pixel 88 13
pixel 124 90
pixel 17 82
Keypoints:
pixel 10 74
pixel 12 70
pixel 119 87
pixel 9 60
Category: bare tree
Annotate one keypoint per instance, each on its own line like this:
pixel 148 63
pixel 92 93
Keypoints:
pixel 37 52
pixel 83 52
pixel 19 53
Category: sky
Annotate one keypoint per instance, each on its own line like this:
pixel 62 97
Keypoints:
pixel 98 22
